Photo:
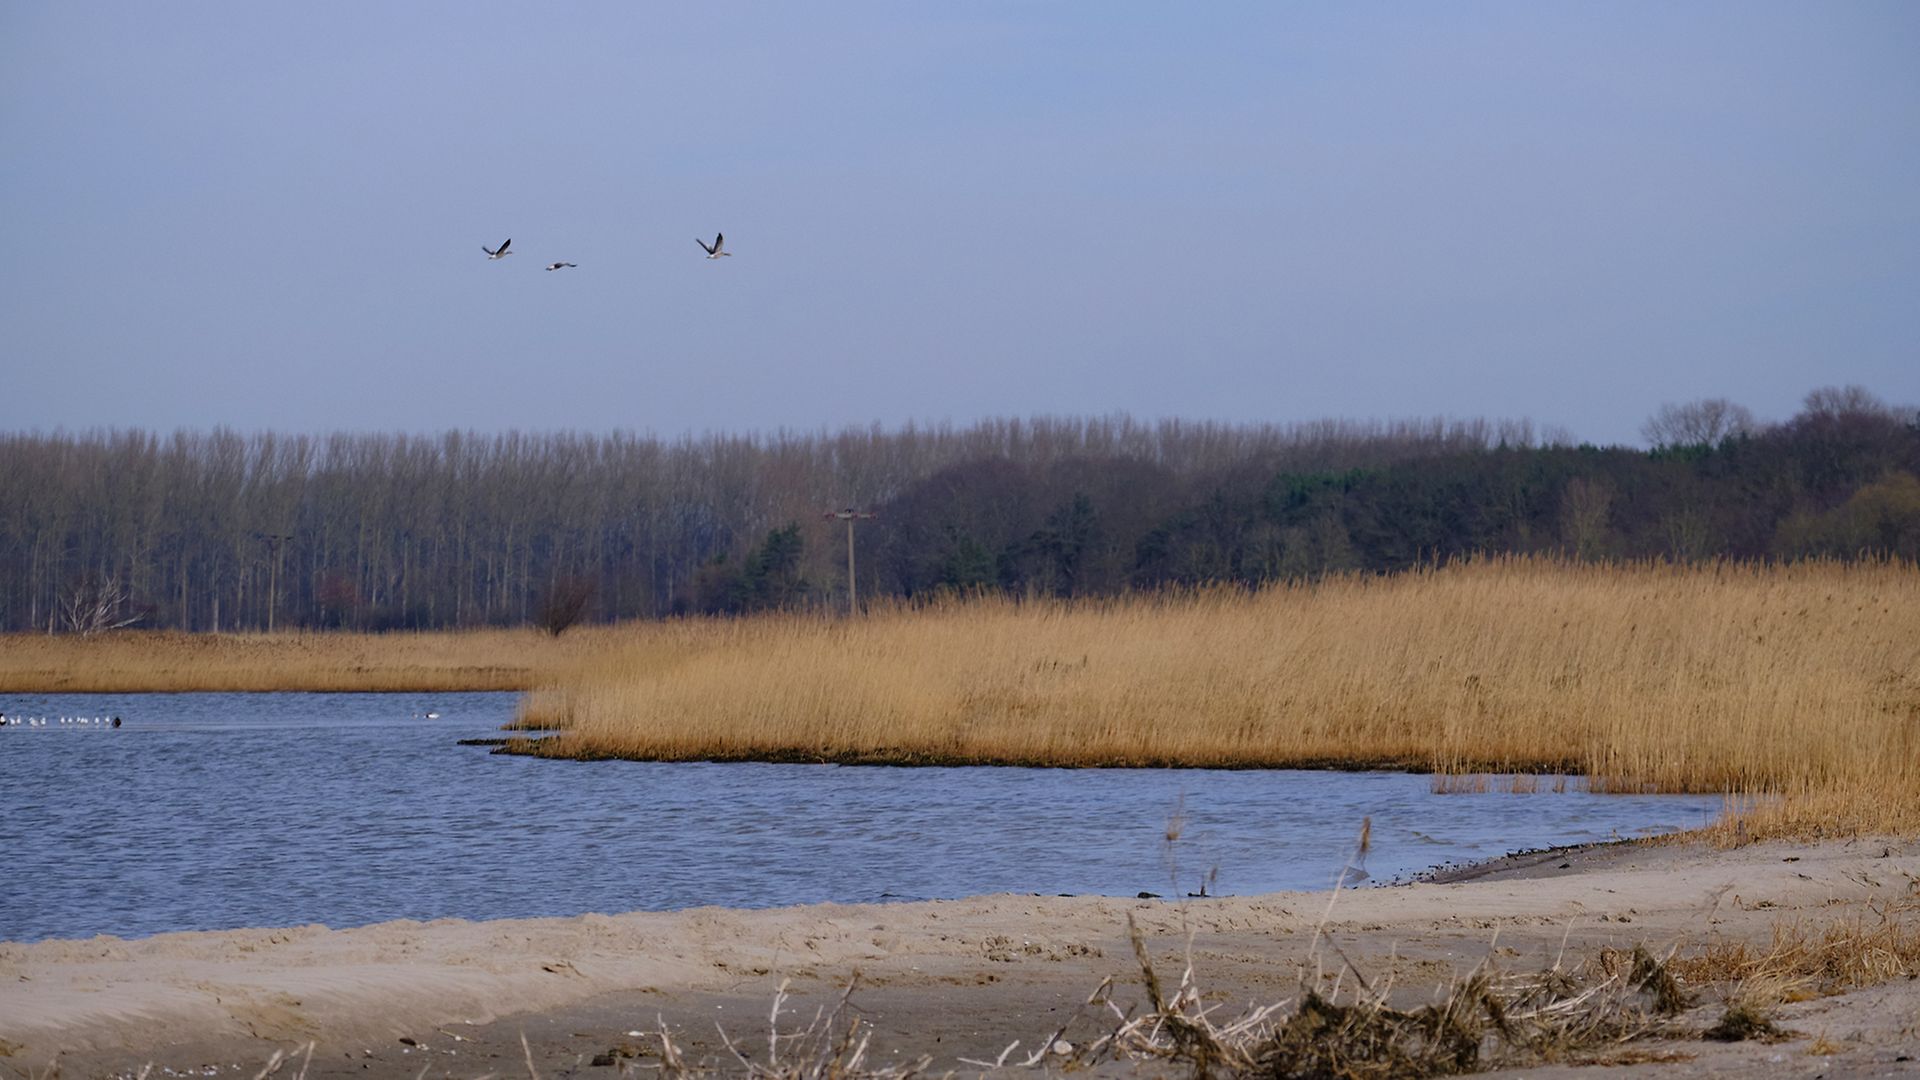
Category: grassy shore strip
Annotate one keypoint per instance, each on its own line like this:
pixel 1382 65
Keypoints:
pixel 1800 680
pixel 560 749
pixel 134 661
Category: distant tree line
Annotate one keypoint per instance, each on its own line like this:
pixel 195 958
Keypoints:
pixel 224 531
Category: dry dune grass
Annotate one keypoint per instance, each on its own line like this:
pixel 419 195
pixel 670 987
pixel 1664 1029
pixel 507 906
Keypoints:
pixel 1801 680
pixel 141 661
pixel 1862 948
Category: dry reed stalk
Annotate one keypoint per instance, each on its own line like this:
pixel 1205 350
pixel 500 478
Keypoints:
pixel 1800 680
pixel 834 1046
pixel 532 1073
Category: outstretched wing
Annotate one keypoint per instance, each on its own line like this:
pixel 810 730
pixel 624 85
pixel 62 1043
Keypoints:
pixel 719 241
pixel 505 244
pixel 703 245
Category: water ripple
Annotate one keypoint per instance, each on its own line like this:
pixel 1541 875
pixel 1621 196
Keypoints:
pixel 212 811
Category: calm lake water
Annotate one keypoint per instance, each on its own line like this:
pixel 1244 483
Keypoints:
pixel 212 811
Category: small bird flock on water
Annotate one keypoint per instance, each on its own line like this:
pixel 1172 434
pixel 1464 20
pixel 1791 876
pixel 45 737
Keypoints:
pixel 715 250
pixel 114 721
pixel 58 721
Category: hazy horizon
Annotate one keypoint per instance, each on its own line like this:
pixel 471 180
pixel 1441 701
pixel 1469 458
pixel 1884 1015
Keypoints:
pixel 271 220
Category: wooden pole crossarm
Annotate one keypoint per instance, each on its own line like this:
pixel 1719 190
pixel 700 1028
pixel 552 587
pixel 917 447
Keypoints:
pixel 850 515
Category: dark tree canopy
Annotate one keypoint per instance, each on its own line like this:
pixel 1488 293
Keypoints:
pixel 220 531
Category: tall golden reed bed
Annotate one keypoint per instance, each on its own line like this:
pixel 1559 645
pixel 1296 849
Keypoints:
pixel 1801 680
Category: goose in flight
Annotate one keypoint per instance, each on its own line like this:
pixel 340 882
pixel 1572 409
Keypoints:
pixel 714 252
pixel 558 266
pixel 498 253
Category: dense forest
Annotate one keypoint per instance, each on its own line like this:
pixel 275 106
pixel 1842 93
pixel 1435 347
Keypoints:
pixel 227 531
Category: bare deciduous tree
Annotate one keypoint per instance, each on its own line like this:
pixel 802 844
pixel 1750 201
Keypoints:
pixel 1838 401
pixel 1585 507
pixel 565 604
pixel 1696 423
pixel 96 604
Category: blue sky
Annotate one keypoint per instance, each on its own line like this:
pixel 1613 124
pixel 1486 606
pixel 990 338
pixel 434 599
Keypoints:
pixel 271 218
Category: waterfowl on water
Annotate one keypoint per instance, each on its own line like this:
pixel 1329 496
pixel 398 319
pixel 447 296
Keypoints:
pixel 713 251
pixel 558 266
pixel 500 252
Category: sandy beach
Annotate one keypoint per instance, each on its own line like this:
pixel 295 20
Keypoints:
pixel 950 979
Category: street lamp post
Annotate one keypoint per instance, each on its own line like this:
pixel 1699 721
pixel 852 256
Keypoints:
pixel 850 515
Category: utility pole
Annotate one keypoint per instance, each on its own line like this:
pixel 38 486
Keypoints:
pixel 273 541
pixel 850 515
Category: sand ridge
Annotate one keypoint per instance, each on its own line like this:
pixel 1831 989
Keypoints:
pixel 993 965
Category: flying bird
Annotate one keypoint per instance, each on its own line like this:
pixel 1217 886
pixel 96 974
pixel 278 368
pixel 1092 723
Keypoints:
pixel 498 253
pixel 558 266
pixel 713 252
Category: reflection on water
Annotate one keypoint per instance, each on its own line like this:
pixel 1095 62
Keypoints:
pixel 208 811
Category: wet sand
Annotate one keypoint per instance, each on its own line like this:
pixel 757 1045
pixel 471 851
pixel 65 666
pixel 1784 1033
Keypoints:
pixel 949 979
